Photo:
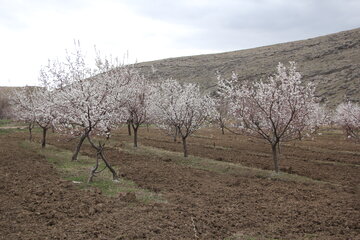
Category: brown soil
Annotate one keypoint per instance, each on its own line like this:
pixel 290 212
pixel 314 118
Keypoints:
pixel 38 204
pixel 327 158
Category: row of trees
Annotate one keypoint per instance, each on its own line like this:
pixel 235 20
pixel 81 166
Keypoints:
pixel 86 99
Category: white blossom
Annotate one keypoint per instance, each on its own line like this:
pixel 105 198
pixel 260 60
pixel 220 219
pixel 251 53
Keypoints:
pixel 348 116
pixel 181 108
pixel 276 110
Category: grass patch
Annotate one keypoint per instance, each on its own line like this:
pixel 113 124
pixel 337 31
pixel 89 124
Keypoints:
pixel 217 147
pixel 11 130
pixel 4 122
pixel 310 236
pixel 202 136
pixel 336 163
pixel 6 131
pixel 216 166
pixel 240 236
pixel 10 123
pixel 78 173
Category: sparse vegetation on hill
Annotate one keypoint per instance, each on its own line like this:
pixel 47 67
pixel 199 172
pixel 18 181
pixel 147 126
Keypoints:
pixel 332 61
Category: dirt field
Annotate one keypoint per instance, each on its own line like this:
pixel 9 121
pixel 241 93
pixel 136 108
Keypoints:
pixel 225 190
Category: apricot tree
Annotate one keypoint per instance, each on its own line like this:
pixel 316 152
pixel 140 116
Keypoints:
pixel 275 110
pixel 181 107
pixel 348 116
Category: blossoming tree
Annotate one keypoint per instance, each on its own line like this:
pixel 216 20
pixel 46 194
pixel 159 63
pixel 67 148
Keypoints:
pixel 87 92
pixel 90 100
pixel 137 102
pixel 181 107
pixel 23 109
pixel 275 110
pixel 35 105
pixel 222 107
pixel 348 116
pixel 45 110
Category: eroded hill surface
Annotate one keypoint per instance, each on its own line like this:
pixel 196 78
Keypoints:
pixel 332 61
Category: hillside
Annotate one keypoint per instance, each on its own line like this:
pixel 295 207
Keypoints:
pixel 332 61
pixel 7 91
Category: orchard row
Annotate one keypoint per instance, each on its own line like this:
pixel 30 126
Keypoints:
pixel 84 99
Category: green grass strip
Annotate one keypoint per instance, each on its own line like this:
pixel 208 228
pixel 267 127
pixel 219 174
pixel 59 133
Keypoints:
pixel 78 173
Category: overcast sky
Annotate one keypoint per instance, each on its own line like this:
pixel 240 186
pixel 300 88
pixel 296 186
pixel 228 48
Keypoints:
pixel 32 31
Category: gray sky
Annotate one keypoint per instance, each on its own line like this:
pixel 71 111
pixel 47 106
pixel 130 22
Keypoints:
pixel 32 31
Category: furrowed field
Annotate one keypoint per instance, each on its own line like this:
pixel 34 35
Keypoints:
pixel 287 166
pixel 225 189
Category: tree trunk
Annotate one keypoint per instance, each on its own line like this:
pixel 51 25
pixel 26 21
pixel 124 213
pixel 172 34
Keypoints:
pixel 279 149
pixel 175 134
pixel 129 128
pixel 31 125
pixel 274 148
pixel 93 169
pixel 185 147
pixel 43 143
pixel 78 147
pixel 114 174
pixel 135 129
pixel 222 125
pixel 100 153
pixel 299 135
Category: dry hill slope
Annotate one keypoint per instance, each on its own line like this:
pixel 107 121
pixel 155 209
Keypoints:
pixel 332 61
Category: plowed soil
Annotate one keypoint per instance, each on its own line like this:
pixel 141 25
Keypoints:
pixel 328 157
pixel 201 204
